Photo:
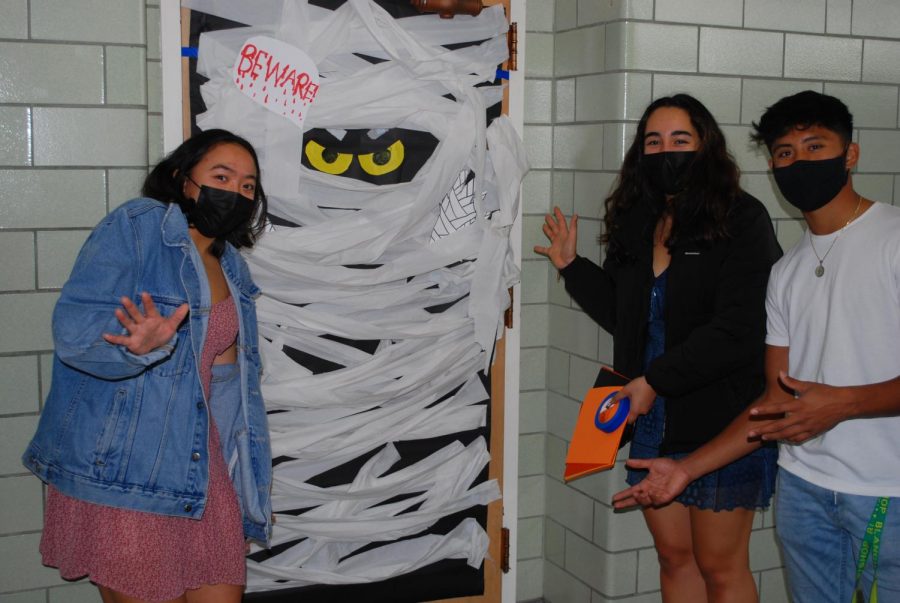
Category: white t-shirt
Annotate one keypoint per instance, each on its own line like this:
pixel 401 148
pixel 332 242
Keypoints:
pixel 843 329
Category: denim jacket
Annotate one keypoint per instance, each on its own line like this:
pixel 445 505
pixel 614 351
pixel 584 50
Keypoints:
pixel 132 431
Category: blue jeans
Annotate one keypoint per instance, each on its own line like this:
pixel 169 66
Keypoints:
pixel 820 533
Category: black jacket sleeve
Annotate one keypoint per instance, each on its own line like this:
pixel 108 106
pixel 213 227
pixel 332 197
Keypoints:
pixel 594 289
pixel 734 334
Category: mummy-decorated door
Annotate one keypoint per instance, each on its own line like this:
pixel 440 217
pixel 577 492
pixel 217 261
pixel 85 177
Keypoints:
pixel 392 184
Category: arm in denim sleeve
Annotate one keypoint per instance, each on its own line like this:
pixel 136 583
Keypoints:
pixel 106 269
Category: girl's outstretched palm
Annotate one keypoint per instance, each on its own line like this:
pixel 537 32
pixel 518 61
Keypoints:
pixel 563 238
pixel 148 330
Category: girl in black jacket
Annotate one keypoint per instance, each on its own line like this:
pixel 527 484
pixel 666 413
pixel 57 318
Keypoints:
pixel 682 291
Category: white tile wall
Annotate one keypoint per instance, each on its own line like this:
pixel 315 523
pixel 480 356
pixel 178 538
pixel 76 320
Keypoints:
pixel 19 392
pixel 73 143
pixel 90 137
pixel 838 15
pixel 17 268
pixel 797 15
pixel 42 73
pixel 14 19
pixel 612 96
pixel 881 61
pixel 741 52
pixel 701 12
pixel 591 11
pixel 609 60
pixel 651 46
pixel 721 95
pixel 821 57
pixel 115 21
pixel 578 51
pixel 877 18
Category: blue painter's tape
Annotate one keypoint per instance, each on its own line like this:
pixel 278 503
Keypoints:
pixel 502 74
pixel 619 416
pixel 190 52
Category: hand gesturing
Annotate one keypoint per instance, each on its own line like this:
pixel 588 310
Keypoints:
pixel 146 331
pixel 665 481
pixel 563 238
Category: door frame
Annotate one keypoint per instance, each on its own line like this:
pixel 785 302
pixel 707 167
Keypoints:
pixel 172 135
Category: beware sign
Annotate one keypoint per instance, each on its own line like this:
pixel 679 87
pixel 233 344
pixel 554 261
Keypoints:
pixel 280 77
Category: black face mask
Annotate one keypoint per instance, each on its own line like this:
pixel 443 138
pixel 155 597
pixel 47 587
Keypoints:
pixel 666 172
pixel 809 185
pixel 218 212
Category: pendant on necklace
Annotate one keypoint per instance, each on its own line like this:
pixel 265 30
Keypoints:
pixel 820 270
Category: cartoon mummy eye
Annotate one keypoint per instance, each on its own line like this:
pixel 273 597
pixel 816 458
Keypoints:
pixel 327 160
pixel 384 161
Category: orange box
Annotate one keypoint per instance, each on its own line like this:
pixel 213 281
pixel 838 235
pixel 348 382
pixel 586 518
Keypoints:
pixel 592 449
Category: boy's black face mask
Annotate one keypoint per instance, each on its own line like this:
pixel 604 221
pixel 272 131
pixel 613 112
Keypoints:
pixel 809 185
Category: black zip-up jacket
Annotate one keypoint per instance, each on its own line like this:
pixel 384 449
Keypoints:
pixel 715 317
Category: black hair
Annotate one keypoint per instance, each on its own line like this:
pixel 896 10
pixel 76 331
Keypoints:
pixel 700 210
pixel 802 110
pixel 166 183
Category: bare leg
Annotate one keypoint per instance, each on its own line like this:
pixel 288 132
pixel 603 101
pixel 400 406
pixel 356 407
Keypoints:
pixel 215 593
pixel 722 550
pixel 110 596
pixel 679 575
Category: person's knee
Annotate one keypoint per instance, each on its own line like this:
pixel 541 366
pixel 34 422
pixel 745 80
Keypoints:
pixel 674 556
pixel 722 567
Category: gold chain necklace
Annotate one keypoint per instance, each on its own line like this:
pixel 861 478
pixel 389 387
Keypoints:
pixel 820 269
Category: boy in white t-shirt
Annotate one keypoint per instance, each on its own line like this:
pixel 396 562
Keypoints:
pixel 832 398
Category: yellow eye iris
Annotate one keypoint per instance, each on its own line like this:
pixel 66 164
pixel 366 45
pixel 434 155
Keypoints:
pixel 326 160
pixel 384 161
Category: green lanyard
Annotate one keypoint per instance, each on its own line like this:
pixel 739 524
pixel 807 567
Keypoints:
pixel 870 544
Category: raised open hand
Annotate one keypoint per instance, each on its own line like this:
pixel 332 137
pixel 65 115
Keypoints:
pixel 563 238
pixel 148 330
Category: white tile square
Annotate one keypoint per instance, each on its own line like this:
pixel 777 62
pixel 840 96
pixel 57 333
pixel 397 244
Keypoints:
pixel 739 52
pixel 19 391
pixel 651 47
pixel 126 76
pixel 721 95
pixel 90 137
pixel 50 73
pixel 612 96
pixel 875 18
pixel 17 267
pixel 116 21
pixel 881 61
pixel 578 147
pixel 14 19
pixel 871 106
pixel 701 12
pixel 759 94
pixel 821 57
pixel 579 51
pixel 796 15
pixel 15 133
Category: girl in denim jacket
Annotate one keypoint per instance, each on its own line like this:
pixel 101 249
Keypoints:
pixel 153 438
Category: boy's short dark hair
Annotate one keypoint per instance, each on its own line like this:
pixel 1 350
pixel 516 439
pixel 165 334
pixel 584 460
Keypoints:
pixel 802 110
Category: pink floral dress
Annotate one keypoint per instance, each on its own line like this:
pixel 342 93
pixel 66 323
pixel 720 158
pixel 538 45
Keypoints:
pixel 148 556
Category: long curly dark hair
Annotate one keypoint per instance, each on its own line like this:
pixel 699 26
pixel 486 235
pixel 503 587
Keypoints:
pixel 699 211
pixel 166 183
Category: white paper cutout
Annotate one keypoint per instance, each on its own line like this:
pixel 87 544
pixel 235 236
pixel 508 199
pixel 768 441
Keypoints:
pixel 278 76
